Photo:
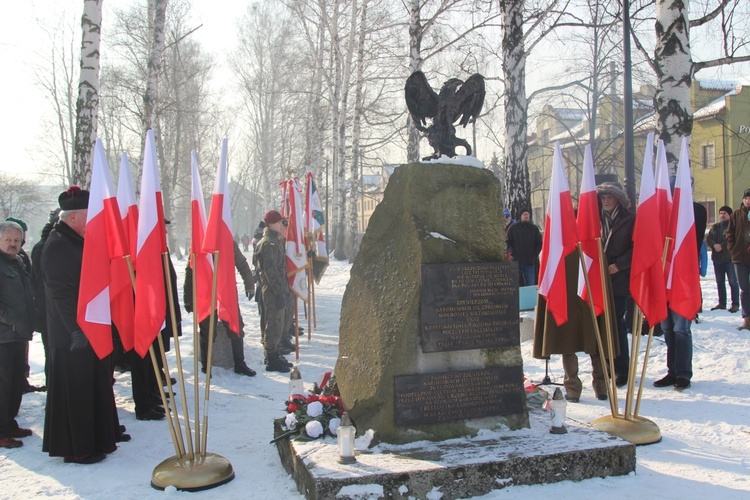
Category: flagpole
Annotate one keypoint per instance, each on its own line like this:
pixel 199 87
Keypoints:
pixel 599 344
pixel 312 294
pixel 608 329
pixel 171 412
pixel 209 356
pixel 296 328
pixel 635 347
pixel 178 356
pixel 196 351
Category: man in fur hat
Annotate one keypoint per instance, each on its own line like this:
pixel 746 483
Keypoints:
pixel 617 240
pixel 80 422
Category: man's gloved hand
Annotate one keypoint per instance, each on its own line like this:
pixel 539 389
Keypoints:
pixel 78 340
pixel 249 292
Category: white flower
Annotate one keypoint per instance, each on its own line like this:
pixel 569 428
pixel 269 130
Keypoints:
pixel 333 425
pixel 290 421
pixel 315 409
pixel 314 428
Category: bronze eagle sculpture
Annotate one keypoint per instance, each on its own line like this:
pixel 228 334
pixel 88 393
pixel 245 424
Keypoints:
pixel 457 101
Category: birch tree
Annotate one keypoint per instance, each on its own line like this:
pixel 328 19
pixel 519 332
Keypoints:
pixel 157 17
pixel 87 105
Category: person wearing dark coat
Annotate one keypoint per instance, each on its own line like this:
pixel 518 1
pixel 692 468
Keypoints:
pixel 722 260
pixel 235 338
pixel 618 222
pixel 578 334
pixel 16 310
pixel 80 422
pixel 524 243
pixel 738 242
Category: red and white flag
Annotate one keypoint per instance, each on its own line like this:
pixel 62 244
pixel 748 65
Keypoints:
pixel 121 290
pixel 151 244
pixel 589 229
pixel 296 252
pixel 683 283
pixel 663 190
pixel 200 261
pixel 560 240
pixel 102 243
pixel 219 239
pixel 646 272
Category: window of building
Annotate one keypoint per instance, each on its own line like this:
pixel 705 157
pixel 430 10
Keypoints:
pixel 709 156
pixel 711 209
pixel 536 179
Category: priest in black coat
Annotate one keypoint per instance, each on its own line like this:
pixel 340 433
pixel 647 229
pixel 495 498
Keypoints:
pixel 80 421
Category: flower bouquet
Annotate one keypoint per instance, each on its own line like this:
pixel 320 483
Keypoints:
pixel 315 415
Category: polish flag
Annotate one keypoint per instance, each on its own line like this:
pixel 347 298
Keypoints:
pixel 683 283
pixel 589 229
pixel 663 189
pixel 121 290
pixel 200 261
pixel 560 240
pixel 218 238
pixel 103 242
pixel 151 244
pixel 296 252
pixel 646 273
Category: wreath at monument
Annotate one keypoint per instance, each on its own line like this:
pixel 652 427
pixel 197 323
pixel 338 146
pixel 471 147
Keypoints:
pixel 315 415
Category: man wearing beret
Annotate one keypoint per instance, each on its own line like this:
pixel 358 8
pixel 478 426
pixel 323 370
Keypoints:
pixel 80 421
pixel 738 242
pixel 723 267
pixel 16 309
pixel 275 293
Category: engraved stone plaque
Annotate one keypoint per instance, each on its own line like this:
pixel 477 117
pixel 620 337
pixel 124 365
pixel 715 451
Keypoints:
pixel 450 396
pixel 469 306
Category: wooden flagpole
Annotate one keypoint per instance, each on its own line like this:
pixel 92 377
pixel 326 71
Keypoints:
pixel 196 351
pixel 209 357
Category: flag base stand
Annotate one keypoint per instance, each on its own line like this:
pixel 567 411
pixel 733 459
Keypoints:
pixel 637 430
pixel 196 474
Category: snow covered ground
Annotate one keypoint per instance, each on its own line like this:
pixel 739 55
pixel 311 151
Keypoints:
pixel 705 451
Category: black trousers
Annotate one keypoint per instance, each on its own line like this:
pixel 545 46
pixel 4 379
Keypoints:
pixel 12 382
pixel 238 346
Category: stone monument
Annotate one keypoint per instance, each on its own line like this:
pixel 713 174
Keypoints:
pixel 428 342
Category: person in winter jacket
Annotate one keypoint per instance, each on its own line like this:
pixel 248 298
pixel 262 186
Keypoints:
pixel 738 242
pixel 723 267
pixel 524 242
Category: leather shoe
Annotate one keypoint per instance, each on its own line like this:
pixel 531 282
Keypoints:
pixel 734 309
pixel 621 381
pixel 123 438
pixel 720 306
pixel 20 433
pixel 150 414
pixel 571 399
pixel 602 397
pixel 277 365
pixel 9 442
pixel 681 383
pixel 91 459
pixel 243 369
pixel 666 381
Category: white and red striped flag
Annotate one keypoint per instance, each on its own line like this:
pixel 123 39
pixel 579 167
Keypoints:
pixel 150 292
pixel 314 225
pixel 683 283
pixel 589 229
pixel 296 252
pixel 218 238
pixel 121 290
pixel 200 261
pixel 560 240
pixel 646 273
pixel 663 190
pixel 102 243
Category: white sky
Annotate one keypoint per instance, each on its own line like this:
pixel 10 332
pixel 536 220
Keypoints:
pixel 21 40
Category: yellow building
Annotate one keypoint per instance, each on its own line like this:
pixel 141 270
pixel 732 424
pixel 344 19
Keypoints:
pixel 719 151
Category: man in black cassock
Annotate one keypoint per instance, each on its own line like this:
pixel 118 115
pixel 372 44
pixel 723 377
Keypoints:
pixel 80 421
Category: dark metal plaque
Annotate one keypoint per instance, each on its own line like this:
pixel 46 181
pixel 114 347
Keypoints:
pixel 450 396
pixel 469 306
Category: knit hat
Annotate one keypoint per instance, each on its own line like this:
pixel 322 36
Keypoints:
pixel 613 189
pixel 506 212
pixel 746 194
pixel 272 217
pixel 726 209
pixel 74 198
pixel 20 222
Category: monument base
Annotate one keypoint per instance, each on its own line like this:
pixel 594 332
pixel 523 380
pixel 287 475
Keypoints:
pixel 458 468
pixel 199 473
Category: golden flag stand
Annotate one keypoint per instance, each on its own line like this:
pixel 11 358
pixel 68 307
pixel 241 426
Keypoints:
pixel 195 470
pixel 629 425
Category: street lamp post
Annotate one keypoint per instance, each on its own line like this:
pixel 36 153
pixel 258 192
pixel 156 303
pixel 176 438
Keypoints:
pixel 628 159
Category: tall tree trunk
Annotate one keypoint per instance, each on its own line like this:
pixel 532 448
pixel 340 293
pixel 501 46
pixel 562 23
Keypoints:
pixel 517 187
pixel 674 69
pixel 415 64
pixel 87 106
pixel 157 13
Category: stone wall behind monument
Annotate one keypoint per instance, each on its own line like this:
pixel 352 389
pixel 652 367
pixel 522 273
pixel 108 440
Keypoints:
pixel 430 214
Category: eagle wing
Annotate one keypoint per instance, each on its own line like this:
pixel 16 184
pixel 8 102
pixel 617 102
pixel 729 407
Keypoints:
pixel 469 99
pixel 420 98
